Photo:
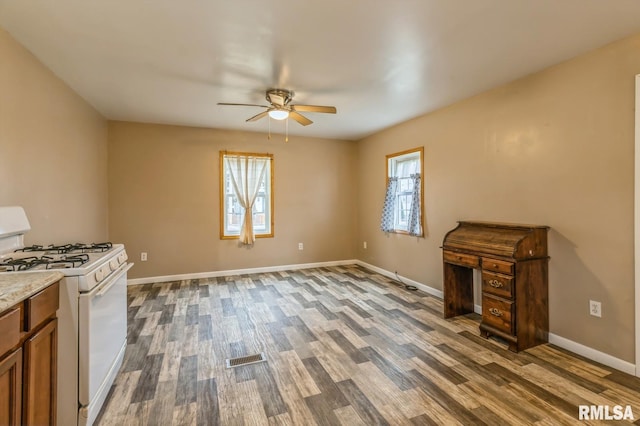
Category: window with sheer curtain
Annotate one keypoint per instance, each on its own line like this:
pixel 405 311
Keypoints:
pixel 246 185
pixel 402 210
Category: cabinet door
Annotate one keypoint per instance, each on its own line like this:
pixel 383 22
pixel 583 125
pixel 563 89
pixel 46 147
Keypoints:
pixel 40 362
pixel 11 388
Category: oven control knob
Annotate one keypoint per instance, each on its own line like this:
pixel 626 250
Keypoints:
pixel 113 265
pixel 99 275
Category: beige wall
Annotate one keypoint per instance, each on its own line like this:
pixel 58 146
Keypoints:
pixel 164 199
pixel 53 151
pixel 555 148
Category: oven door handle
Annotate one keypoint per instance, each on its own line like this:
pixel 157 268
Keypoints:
pixel 106 286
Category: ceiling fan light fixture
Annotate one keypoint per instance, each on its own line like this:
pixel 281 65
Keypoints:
pixel 280 108
pixel 278 114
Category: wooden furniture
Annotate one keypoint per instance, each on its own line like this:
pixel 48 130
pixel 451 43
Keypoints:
pixel 28 360
pixel 514 264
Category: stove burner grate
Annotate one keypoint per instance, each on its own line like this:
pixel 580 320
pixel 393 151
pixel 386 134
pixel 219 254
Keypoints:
pixel 69 248
pixel 93 247
pixel 68 261
pixel 59 262
pixel 24 264
pixel 65 248
pixel 30 248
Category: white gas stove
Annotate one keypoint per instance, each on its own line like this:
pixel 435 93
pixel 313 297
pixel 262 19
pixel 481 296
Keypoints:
pixel 92 263
pixel 92 318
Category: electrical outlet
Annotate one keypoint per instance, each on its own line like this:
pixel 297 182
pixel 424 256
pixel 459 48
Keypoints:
pixel 364 245
pixel 595 308
pixel 143 256
pixel 300 246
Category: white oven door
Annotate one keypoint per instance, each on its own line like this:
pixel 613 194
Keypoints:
pixel 102 324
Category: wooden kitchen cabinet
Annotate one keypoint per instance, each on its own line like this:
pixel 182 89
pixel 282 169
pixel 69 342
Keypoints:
pixel 28 360
pixel 11 389
pixel 40 361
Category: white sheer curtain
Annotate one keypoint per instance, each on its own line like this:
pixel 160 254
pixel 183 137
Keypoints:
pixel 246 175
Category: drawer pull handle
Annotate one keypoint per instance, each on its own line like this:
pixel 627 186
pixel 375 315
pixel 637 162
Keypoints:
pixel 495 283
pixel 495 312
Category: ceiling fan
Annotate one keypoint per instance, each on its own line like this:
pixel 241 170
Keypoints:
pixel 281 108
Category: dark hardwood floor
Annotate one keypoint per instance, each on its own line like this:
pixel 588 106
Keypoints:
pixel 343 345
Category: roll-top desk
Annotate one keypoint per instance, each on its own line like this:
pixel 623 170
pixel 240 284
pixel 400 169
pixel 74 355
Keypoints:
pixel 514 264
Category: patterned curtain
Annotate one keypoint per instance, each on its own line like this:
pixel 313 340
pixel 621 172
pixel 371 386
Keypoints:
pixel 246 175
pixel 415 227
pixel 386 224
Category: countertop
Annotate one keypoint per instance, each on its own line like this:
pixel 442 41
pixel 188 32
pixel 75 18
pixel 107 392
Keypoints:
pixel 18 286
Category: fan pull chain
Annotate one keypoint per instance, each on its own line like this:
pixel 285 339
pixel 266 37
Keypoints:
pixel 269 137
pixel 286 134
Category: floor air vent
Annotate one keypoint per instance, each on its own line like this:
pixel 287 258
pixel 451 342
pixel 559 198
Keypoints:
pixel 245 360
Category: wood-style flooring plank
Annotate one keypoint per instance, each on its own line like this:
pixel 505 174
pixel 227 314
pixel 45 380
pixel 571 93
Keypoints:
pixel 161 412
pixel 299 375
pixel 208 411
pixel 354 353
pixel 329 390
pixel 146 388
pixel 361 404
pixel 343 345
pixel 186 390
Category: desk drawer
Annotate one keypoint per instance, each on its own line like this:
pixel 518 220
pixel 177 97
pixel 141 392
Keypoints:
pixel 9 329
pixel 496 265
pixel 41 306
pixel 498 313
pixel 461 259
pixel 500 285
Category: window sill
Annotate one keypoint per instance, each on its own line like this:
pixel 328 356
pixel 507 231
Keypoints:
pixel 401 232
pixel 236 237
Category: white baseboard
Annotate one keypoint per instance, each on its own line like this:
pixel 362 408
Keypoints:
pixel 560 341
pixel 427 289
pixel 593 354
pixel 212 274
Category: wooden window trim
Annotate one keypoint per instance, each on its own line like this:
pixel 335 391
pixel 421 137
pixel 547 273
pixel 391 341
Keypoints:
pixel 398 154
pixel 271 191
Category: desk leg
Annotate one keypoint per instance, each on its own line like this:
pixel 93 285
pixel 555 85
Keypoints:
pixel 458 290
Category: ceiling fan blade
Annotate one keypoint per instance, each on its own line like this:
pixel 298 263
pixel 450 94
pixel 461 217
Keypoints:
pixel 300 118
pixel 258 116
pixel 252 105
pixel 314 108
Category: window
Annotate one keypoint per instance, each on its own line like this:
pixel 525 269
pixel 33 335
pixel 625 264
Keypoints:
pixel 402 212
pixel 246 180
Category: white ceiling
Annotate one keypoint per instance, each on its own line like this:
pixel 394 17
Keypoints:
pixel 380 62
